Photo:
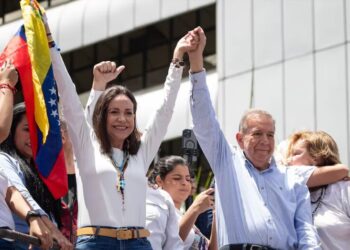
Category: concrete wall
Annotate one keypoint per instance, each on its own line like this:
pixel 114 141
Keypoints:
pixel 289 57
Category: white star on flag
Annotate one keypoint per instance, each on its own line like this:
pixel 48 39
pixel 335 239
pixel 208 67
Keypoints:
pixel 52 91
pixel 54 113
pixel 52 102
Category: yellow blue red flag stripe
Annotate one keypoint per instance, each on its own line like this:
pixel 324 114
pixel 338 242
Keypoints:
pixel 29 51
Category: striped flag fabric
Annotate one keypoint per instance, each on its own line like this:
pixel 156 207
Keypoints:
pixel 29 52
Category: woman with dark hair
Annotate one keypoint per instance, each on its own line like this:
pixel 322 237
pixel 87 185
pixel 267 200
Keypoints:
pixel 17 163
pixel 112 157
pixel 172 174
pixel 330 203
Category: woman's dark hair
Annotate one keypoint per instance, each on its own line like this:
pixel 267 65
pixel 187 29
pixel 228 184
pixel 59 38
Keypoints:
pixel 99 121
pixel 34 184
pixel 164 166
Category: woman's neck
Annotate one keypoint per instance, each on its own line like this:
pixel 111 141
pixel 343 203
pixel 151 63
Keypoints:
pixel 313 189
pixel 118 144
pixel 177 204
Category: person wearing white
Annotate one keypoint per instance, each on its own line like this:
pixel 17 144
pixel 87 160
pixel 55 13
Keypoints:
pixel 11 199
pixel 6 219
pixel 330 203
pixel 162 221
pixel 171 173
pixel 109 197
pixel 331 207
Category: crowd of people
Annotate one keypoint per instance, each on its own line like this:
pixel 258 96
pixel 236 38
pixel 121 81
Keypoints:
pixel 257 202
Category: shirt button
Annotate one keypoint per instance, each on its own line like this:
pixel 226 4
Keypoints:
pixel 195 81
pixel 281 188
pixel 262 188
pixel 270 238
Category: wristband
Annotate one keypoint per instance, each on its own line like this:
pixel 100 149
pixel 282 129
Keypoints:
pixel 52 44
pixel 177 62
pixel 8 86
pixel 31 214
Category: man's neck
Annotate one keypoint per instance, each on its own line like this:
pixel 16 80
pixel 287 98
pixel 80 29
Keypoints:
pixel 260 166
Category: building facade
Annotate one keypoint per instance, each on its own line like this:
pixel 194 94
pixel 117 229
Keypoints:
pixel 289 57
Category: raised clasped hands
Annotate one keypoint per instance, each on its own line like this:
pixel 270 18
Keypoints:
pixel 187 43
pixel 193 43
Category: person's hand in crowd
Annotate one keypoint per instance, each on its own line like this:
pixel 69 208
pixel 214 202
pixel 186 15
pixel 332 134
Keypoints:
pixel 62 241
pixel 187 43
pixel 38 229
pixel 8 74
pixel 204 201
pixel 196 55
pixel 105 72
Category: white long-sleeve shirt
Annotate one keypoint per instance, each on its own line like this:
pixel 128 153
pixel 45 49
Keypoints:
pixel 270 207
pixel 100 204
pixel 161 221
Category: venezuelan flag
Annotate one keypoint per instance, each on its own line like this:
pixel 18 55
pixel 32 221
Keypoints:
pixel 29 52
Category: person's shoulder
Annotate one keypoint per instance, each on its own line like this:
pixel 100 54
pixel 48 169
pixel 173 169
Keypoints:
pixel 7 159
pixel 300 172
pixel 157 197
pixel 4 155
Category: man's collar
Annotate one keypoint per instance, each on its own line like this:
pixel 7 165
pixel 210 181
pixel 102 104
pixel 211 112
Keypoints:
pixel 272 163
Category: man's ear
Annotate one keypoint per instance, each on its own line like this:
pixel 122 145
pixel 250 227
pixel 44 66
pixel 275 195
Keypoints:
pixel 159 181
pixel 239 138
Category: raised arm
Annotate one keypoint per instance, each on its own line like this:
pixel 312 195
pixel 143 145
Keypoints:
pixel 78 128
pixel 206 127
pixel 158 124
pixel 8 80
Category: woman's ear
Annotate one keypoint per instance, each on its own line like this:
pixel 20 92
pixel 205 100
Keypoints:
pixel 159 181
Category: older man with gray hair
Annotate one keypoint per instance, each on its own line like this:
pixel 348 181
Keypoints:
pixel 259 205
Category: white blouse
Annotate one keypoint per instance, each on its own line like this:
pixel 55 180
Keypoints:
pixel 332 216
pixel 161 221
pixel 100 204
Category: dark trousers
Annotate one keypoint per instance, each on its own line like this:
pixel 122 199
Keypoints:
pixel 245 247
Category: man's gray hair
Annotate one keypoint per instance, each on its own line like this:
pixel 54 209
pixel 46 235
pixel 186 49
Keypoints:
pixel 252 112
